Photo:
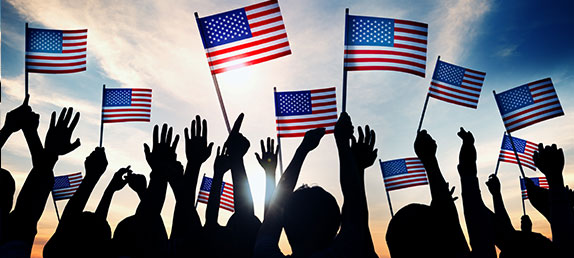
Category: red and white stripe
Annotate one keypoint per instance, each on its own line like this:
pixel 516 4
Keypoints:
pixel 268 41
pixel 466 94
pixel 226 201
pixel 408 54
pixel 525 158
pixel 324 114
pixel 415 176
pixel 546 105
pixel 67 192
pixel 139 111
pixel 542 182
pixel 71 60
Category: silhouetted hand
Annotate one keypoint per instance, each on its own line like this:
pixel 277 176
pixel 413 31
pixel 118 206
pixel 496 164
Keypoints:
pixel 268 158
pixel 16 119
pixel 467 151
pixel 96 163
pixel 237 145
pixel 493 184
pixel 197 149
pixel 425 145
pixel 525 224
pixel 364 149
pixel 137 182
pixel 343 129
pixel 119 180
pixel 550 161
pixel 163 147
pixel 60 132
pixel 312 139
pixel 222 162
pixel 451 192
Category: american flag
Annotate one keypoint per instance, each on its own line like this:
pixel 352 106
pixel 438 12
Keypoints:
pixel 538 181
pixel 524 149
pixel 66 186
pixel 244 37
pixel 126 105
pixel 226 194
pixel 456 84
pixel 56 51
pixel 528 104
pixel 373 43
pixel 300 111
pixel 403 173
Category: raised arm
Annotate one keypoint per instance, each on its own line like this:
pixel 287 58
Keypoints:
pixel 221 165
pixel 502 224
pixel 354 157
pixel 119 180
pixel 268 161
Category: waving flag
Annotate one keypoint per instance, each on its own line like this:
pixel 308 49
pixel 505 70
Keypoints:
pixel 524 149
pixel 126 105
pixel 65 186
pixel 56 51
pixel 403 173
pixel 528 104
pixel 538 181
pixel 226 201
pixel 373 43
pixel 455 84
pixel 243 37
pixel 300 111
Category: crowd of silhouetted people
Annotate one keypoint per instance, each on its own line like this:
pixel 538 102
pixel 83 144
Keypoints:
pixel 314 223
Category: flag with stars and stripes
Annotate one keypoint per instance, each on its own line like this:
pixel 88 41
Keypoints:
pixel 126 105
pixel 524 149
pixel 244 37
pixel 56 51
pixel 226 201
pixel 538 181
pixel 528 104
pixel 300 111
pixel 456 84
pixel 65 186
pixel 373 43
pixel 403 173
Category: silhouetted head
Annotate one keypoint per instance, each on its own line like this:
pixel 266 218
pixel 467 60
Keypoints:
pixel 140 236
pixel 7 188
pixel 413 232
pixel 125 240
pixel 527 244
pixel 311 219
pixel 85 235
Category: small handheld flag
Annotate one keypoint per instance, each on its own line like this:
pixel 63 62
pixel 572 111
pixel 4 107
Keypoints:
pixel 65 186
pixel 56 51
pixel 403 173
pixel 226 202
pixel 456 84
pixel 244 36
pixel 300 111
pixel 525 150
pixel 528 104
pixel 126 105
pixel 538 181
pixel 373 43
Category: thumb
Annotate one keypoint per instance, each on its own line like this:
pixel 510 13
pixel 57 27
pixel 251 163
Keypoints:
pixel 146 150
pixel 258 157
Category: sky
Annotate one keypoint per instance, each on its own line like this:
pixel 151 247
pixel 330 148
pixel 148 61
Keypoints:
pixel 156 44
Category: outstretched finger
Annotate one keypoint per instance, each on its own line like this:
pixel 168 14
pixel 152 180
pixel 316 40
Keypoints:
pixel 262 146
pixel 269 146
pixel 175 141
pixel 186 134
pixel 258 157
pixel 155 136
pixel 75 121
pixel 53 120
pixel 61 117
pixel 372 142
pixel 367 134
pixel 237 124
pixel 204 128
pixel 198 125
pixel 193 130
pixel 169 136
pixel 68 117
pixel 361 135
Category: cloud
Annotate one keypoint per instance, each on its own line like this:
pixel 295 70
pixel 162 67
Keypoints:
pixel 507 51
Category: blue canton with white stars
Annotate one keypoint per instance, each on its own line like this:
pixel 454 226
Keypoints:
pixel 394 167
pixel 224 28
pixel 46 41
pixel 117 97
pixel 61 182
pixel 534 180
pixel 448 73
pixel 370 31
pixel 206 184
pixel 518 143
pixel 293 103
pixel 514 99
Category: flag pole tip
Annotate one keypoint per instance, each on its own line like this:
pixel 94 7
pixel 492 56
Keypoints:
pixel 346 10
pixel 196 15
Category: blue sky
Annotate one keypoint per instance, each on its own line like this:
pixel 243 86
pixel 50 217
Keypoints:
pixel 155 44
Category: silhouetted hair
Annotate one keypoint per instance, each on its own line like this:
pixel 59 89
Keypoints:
pixel 7 189
pixel 528 244
pixel 413 232
pixel 311 218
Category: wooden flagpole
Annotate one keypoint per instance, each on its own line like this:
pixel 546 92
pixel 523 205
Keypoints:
pixel 278 137
pixel 56 207
pixel 388 198
pixel 215 83
pixel 102 116
pixel 512 143
pixel 425 105
pixel 498 160
pixel 197 199
pixel 345 69
pixel 523 207
pixel 25 66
